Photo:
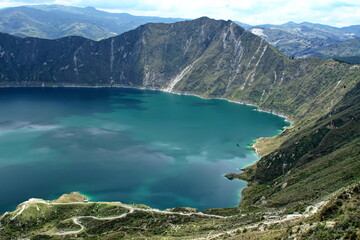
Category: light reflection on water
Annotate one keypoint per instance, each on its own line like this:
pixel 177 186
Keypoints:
pixel 126 145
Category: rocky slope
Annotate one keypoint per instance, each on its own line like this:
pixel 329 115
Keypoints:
pixel 301 40
pixel 219 59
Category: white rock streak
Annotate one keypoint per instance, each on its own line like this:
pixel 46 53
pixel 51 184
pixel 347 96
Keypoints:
pixel 112 55
pixel 23 207
pixel 75 60
pixel 238 52
pixel 282 78
pixel 250 77
pixel 259 32
pixel 270 89
pixel 262 95
pixel 256 52
pixel 178 78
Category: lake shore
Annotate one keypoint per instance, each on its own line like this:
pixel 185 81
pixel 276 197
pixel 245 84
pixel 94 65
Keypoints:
pixel 211 134
pixel 257 108
pixel 282 115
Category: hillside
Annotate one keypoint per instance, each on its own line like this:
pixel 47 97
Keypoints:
pixel 216 59
pixel 297 40
pixel 56 21
pixel 302 166
pixel 69 217
pixel 301 40
pixel 310 160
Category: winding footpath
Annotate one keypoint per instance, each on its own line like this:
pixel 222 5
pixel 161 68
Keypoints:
pixel 310 210
pixel 271 219
pixel 77 220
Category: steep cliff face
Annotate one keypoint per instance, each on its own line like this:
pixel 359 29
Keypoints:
pixel 204 56
pixel 149 56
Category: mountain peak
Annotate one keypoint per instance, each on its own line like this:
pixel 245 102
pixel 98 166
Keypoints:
pixel 207 20
pixel 290 23
pixel 204 19
pixel 90 8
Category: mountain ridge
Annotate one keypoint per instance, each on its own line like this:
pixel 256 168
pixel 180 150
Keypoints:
pixel 168 65
pixel 303 40
pixel 55 21
pixel 297 40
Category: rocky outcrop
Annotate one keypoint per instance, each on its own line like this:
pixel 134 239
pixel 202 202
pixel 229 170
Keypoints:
pixel 231 176
pixel 71 197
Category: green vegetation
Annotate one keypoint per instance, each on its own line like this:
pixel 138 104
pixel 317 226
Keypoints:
pixel 314 159
pixel 337 216
pixel 59 220
pixel 338 219
pixel 72 197
pixel 57 21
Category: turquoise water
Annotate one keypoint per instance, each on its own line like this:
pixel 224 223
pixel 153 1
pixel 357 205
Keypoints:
pixel 127 145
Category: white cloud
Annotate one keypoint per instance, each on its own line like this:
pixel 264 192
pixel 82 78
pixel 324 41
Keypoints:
pixel 332 12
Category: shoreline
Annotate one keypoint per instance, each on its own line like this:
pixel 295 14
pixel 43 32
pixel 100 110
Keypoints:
pixel 282 115
pixel 256 108
pixel 255 148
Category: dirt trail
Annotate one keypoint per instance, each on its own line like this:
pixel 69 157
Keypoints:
pixel 310 210
pixel 77 220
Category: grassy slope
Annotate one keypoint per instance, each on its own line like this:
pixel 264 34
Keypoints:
pixel 339 219
pixel 336 217
pixel 310 160
pixel 41 221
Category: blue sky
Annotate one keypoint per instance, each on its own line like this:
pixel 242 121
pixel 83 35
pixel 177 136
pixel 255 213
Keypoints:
pixel 332 12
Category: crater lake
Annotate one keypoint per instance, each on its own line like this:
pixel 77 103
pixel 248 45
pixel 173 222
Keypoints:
pixel 135 146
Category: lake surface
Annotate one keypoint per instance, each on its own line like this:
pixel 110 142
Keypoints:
pixel 127 145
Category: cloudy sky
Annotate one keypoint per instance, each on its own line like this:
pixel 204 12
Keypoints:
pixel 332 12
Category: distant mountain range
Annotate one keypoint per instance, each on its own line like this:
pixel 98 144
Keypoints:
pixel 311 40
pixel 56 21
